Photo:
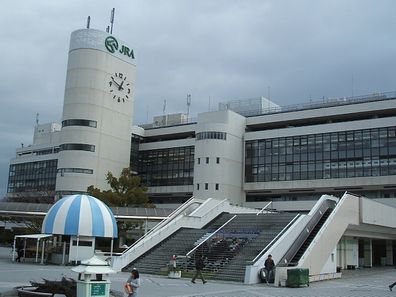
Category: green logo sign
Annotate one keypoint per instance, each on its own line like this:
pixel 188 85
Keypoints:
pixel 111 45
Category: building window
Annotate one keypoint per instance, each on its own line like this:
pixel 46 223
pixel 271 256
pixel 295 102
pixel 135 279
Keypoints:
pixel 207 160
pixel 345 154
pixel 79 122
pixel 211 135
pixel 217 187
pixel 62 171
pixel 206 186
pixel 199 160
pixel 198 187
pixel 167 167
pixel 217 160
pixel 37 176
pixel 77 147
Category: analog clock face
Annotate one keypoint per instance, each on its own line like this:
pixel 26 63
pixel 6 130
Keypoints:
pixel 120 89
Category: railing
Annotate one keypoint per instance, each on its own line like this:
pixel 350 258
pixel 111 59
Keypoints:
pixel 265 249
pixel 161 224
pixel 165 229
pixel 210 236
pixel 326 102
pixel 264 208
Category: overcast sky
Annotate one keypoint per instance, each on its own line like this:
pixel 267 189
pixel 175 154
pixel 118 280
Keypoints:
pixel 215 50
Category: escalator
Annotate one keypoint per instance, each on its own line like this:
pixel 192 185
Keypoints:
pixel 309 239
pixel 305 238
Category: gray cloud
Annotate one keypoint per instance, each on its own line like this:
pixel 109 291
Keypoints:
pixel 218 49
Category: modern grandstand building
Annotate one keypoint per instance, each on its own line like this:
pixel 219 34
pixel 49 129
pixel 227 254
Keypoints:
pixel 240 163
pixel 251 152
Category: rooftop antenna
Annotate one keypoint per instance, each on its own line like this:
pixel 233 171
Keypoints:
pixel 164 107
pixel 37 119
pixel 188 105
pixel 163 112
pixel 88 21
pixel 112 20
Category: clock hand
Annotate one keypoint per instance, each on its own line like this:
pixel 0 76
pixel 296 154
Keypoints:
pixel 120 86
pixel 115 82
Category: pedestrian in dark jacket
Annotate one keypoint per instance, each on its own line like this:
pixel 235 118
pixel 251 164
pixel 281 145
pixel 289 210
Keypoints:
pixel 269 268
pixel 19 253
pixel 392 285
pixel 199 265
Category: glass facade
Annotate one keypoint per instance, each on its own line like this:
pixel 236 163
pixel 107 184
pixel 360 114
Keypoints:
pixel 359 153
pixel 167 167
pixel 134 160
pixel 32 176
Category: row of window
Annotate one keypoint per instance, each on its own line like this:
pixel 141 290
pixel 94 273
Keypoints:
pixel 167 167
pixel 77 147
pixel 206 186
pixel 207 160
pixel 79 122
pixel 369 152
pixel 32 176
pixel 211 135
pixel 62 171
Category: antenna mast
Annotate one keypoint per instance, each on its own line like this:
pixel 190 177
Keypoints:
pixel 37 119
pixel 163 112
pixel 112 20
pixel 188 105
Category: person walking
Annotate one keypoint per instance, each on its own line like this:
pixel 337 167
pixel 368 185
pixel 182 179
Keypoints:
pixel 19 252
pixel 133 283
pixel 391 286
pixel 199 265
pixel 269 268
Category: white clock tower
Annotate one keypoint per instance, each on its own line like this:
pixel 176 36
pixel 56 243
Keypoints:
pixel 97 111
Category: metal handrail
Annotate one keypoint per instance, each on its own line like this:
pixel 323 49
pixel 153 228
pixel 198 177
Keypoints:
pixel 159 225
pixel 210 236
pixel 276 238
pixel 263 208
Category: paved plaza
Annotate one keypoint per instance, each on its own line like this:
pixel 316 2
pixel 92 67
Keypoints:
pixel 359 283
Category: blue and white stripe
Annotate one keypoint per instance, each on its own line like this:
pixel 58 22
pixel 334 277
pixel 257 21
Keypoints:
pixel 80 215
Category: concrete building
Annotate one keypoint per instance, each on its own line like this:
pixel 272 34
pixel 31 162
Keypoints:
pixel 251 152
pixel 242 158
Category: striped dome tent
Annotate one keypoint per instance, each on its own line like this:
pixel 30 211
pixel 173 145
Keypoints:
pixel 80 215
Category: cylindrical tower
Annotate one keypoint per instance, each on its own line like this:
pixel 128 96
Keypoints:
pixel 218 168
pixel 97 111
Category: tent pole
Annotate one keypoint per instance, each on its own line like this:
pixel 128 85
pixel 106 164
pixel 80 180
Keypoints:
pixel 37 248
pixel 42 251
pixel 64 253
pixel 78 242
pixel 13 250
pixel 24 249
pixel 111 247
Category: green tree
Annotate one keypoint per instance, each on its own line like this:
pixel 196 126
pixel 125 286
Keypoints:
pixel 125 191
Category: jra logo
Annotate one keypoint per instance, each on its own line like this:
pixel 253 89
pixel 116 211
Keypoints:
pixel 111 45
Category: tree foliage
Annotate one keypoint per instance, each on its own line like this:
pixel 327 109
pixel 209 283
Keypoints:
pixel 125 191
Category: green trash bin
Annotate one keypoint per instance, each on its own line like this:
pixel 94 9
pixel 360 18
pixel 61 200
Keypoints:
pixel 297 277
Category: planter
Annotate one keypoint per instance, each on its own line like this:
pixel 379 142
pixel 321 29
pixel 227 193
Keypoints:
pixel 174 274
